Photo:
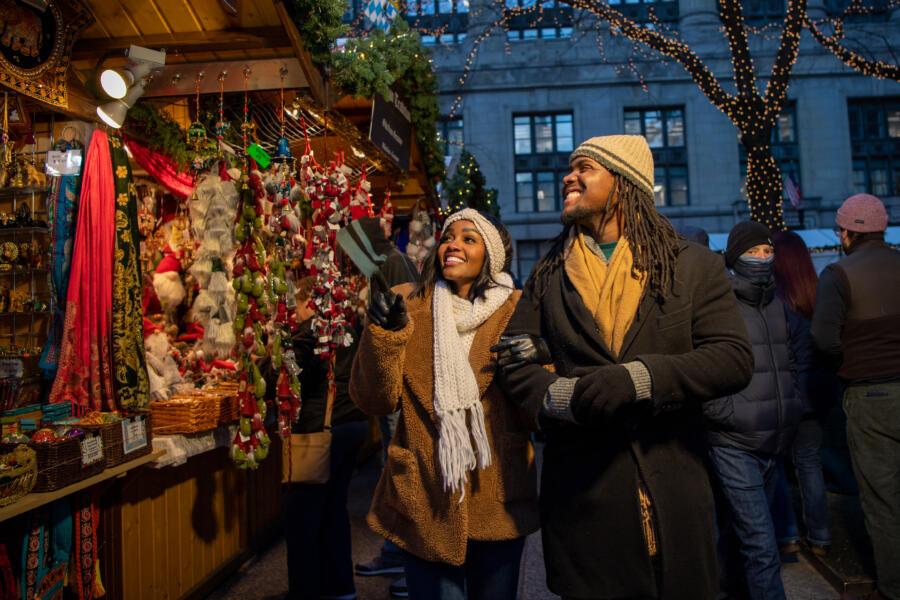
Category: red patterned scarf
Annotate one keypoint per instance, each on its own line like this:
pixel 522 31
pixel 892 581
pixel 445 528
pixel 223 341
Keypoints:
pixel 85 375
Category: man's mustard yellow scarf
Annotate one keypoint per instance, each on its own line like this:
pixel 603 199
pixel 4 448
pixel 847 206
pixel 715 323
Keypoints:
pixel 607 288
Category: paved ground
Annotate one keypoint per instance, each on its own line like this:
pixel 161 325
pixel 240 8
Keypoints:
pixel 265 578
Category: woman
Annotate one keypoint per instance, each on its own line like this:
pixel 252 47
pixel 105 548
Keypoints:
pixel 458 491
pixel 795 285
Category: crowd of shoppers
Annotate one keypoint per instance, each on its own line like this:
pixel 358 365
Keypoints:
pixel 669 386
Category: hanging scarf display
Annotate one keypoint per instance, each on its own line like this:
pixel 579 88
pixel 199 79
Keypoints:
pixel 128 358
pixel 62 205
pixel 85 566
pixel 45 551
pixel 162 168
pixel 85 374
pixel 8 588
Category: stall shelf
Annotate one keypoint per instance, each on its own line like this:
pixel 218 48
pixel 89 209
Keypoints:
pixel 34 500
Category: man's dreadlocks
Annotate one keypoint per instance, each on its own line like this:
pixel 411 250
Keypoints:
pixel 651 237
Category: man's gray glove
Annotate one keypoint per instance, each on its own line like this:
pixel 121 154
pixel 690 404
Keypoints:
pixel 520 350
pixel 388 311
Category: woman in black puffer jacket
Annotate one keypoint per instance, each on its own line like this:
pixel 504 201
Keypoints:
pixel 749 431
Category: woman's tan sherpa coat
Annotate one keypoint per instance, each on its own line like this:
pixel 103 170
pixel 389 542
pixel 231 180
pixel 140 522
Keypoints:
pixel 410 506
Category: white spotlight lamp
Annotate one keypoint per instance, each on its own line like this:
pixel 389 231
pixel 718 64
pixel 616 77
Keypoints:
pixel 113 113
pixel 141 62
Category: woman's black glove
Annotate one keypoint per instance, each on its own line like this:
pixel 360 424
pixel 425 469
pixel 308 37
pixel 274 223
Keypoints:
pixel 520 350
pixel 388 311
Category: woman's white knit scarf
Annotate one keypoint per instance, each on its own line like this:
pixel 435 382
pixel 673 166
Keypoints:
pixel 455 388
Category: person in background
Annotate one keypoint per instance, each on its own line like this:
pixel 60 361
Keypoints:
pixel 316 521
pixel 748 431
pixel 642 328
pixel 695 234
pixel 365 242
pixel 795 286
pixel 458 492
pixel 856 326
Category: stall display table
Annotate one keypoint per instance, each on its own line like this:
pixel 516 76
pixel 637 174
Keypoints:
pixel 176 531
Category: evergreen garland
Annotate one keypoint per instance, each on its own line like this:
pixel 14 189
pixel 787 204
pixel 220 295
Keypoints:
pixel 466 188
pixel 159 131
pixel 319 24
pixel 369 66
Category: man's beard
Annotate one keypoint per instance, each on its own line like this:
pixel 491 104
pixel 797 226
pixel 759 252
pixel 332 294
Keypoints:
pixel 580 213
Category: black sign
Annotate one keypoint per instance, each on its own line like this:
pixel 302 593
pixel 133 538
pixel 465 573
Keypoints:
pixel 390 129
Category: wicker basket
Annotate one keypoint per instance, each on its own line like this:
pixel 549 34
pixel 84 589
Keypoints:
pixel 59 464
pixel 114 450
pixel 185 414
pixel 18 481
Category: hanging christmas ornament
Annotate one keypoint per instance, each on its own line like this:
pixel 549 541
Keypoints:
pixel 251 443
pixel 221 124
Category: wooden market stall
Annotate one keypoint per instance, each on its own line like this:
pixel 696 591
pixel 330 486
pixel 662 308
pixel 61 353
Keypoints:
pixel 175 531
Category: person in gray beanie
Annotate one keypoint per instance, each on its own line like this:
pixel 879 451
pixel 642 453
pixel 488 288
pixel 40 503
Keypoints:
pixel 856 326
pixel 749 431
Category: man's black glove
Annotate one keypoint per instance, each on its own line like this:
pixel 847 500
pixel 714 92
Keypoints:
pixel 388 311
pixel 600 393
pixel 520 350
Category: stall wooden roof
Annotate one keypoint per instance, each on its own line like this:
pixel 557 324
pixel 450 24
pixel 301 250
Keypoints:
pixel 217 36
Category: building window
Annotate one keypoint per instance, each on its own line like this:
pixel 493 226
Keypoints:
pixel 527 255
pixel 438 21
pixel 542 144
pixel 450 135
pixel 532 20
pixel 875 138
pixel 647 10
pixel 785 150
pixel 761 12
pixel 664 130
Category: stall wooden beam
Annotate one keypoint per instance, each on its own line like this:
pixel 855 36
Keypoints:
pixel 185 42
pixel 318 87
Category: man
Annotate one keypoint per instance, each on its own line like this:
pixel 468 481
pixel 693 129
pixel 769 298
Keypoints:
pixel 366 244
pixel 856 326
pixel 642 327
pixel 749 431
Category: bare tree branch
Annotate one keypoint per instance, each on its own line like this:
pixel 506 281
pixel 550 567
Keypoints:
pixel 851 59
pixel 776 90
pixel 675 49
pixel 732 15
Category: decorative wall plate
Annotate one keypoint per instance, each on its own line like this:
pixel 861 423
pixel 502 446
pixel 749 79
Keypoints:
pixel 35 47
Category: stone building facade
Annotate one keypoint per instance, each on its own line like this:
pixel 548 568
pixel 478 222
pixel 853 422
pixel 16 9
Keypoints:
pixel 533 92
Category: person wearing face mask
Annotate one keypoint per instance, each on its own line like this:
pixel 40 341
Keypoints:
pixel 750 430
pixel 458 493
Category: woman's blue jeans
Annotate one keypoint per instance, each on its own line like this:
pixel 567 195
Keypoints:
pixel 813 499
pixel 491 572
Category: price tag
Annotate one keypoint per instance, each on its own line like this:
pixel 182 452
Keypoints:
pixel 91 450
pixel 12 367
pixel 63 163
pixel 134 434
pixel 261 157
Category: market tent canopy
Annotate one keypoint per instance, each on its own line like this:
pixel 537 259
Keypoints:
pixel 216 36
pixel 814 238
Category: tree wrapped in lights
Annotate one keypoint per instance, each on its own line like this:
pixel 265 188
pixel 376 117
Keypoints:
pixel 466 188
pixel 753 112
